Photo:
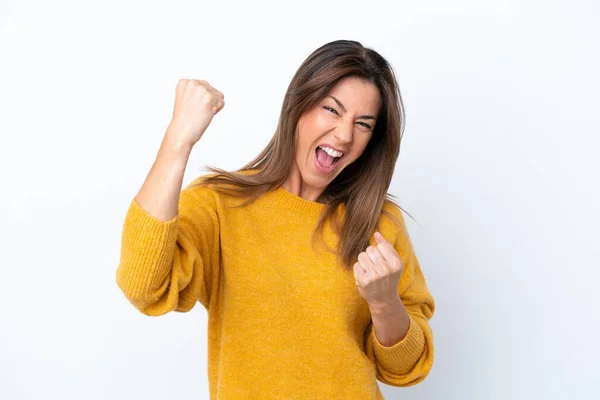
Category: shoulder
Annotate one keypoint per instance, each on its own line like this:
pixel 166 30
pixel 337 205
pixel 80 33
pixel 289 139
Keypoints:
pixel 391 223
pixel 391 213
pixel 202 179
pixel 199 191
pixel 199 181
pixel 215 190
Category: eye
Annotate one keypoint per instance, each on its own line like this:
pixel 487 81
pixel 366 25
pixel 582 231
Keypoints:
pixel 330 109
pixel 333 110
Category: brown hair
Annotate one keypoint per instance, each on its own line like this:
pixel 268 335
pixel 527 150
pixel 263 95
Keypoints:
pixel 361 186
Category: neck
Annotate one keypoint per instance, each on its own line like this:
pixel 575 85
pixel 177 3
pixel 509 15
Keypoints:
pixel 296 185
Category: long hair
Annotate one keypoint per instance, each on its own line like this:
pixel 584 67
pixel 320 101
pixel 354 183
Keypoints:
pixel 361 186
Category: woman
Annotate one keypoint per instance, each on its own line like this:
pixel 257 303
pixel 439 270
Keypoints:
pixel 305 267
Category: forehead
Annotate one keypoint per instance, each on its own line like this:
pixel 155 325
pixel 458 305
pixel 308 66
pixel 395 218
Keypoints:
pixel 356 94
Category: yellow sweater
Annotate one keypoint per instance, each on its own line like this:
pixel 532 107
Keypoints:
pixel 285 321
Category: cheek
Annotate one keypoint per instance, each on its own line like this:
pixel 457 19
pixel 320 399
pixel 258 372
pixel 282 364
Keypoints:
pixel 319 122
pixel 303 142
pixel 360 147
pixel 312 129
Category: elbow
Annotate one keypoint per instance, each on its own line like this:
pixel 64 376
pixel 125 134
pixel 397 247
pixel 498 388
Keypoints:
pixel 160 302
pixel 143 304
pixel 412 375
pixel 149 307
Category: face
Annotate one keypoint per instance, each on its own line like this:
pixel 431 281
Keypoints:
pixel 336 130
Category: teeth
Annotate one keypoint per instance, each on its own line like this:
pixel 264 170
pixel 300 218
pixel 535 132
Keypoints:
pixel 332 152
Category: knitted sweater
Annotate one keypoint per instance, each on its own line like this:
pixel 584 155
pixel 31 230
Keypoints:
pixel 285 321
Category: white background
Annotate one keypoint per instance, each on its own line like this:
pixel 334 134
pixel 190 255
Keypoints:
pixel 498 165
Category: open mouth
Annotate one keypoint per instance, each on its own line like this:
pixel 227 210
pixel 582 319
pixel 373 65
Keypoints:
pixel 327 158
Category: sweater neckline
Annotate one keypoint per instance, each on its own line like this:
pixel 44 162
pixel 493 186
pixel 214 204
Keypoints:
pixel 297 203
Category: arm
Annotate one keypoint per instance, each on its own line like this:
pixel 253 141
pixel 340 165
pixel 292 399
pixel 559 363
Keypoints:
pixel 403 351
pixel 170 240
pixel 391 322
pixel 159 195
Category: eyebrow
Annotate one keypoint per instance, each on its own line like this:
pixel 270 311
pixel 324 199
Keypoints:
pixel 339 103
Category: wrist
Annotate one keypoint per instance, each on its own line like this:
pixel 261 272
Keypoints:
pixel 390 306
pixel 172 143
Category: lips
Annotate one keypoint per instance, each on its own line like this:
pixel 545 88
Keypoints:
pixel 324 169
pixel 333 148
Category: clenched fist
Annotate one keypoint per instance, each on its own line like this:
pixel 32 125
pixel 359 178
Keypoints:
pixel 196 103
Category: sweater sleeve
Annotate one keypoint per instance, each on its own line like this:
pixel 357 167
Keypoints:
pixel 170 265
pixel 409 361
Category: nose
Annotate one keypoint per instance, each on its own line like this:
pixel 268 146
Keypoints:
pixel 344 132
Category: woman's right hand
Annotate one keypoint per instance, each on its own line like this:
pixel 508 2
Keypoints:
pixel 196 103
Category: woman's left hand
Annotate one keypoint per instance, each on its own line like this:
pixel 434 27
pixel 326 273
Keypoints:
pixel 377 273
